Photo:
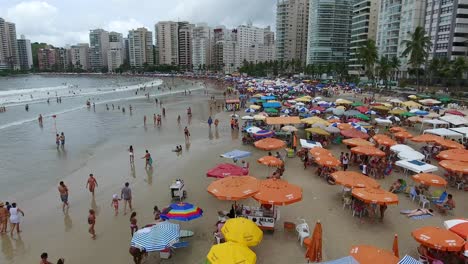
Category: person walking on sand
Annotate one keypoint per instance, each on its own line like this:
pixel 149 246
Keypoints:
pixel 92 223
pixel 15 218
pixel 164 111
pixel 126 195
pixel 178 119
pixel 115 203
pixel 91 183
pixel 62 139
pixel 63 191
pixel 40 119
pixel 132 155
pixel 3 218
pixel 133 223
pixel 187 133
pixel 144 120
pixel 210 121
pixel 148 160
pixel 154 119
pixel 57 140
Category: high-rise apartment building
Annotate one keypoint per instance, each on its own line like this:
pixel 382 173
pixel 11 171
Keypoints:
pixel 225 50
pixel 8 46
pixel 292 18
pixel 202 42
pixel 398 18
pixel 115 52
pixel 140 45
pixel 47 59
pixel 98 46
pixel 363 27
pixel 25 54
pixel 184 41
pixel 79 55
pixel 248 36
pixel 447 25
pixel 63 59
pixel 329 31
pixel 167 42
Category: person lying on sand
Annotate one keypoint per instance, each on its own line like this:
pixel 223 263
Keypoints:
pixel 418 211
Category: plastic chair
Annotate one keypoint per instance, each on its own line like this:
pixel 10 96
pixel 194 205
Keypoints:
pixel 441 198
pixel 302 230
pixel 413 194
pixel 347 201
pixel 423 200
pixel 217 238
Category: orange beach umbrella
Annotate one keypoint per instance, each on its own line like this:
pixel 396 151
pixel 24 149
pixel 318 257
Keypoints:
pixel 368 151
pixel 270 144
pixel 384 140
pixel 354 133
pixel 429 179
pixel 345 126
pixel 438 238
pixel 455 166
pixel 450 144
pixel 403 134
pixel 427 138
pixel 316 152
pixel 366 254
pixel 327 161
pixel 270 161
pixel 352 179
pixel 278 192
pixel 376 196
pixel 397 129
pixel 233 188
pixel 454 154
pixel 354 142
pixel 396 250
pixel 314 250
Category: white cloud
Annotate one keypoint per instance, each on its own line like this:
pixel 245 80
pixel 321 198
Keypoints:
pixel 123 26
pixel 33 17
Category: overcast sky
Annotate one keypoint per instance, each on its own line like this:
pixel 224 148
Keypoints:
pixel 61 22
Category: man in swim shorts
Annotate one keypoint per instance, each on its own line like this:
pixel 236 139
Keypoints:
pixel 63 190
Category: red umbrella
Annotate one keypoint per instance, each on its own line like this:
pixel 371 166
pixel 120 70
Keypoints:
pixel 319 108
pixel 454 112
pixel 354 133
pixel 224 170
pixel 362 109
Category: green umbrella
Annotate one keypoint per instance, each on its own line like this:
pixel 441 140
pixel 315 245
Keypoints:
pixel 423 96
pixel 363 117
pixel 271 110
pixel 357 104
pixel 408 114
pixel 445 99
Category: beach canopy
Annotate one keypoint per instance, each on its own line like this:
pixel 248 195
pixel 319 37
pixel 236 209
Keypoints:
pixel 182 212
pixel 384 140
pixel 429 179
pixel 278 192
pixel 450 144
pixel 411 155
pixel 284 120
pixel 458 226
pixel 400 147
pixel 236 154
pixel 352 179
pixel 225 169
pixel 354 142
pixel 365 254
pixel 243 231
pixel 416 166
pixel 455 166
pixel 310 144
pixel 368 151
pixel 231 253
pixel 438 238
pixel 375 196
pixel 454 154
pixel 327 161
pixel 270 161
pixel 157 237
pixel 354 133
pixel 426 138
pixel 270 144
pixel 314 249
pixel 455 119
pixel 234 188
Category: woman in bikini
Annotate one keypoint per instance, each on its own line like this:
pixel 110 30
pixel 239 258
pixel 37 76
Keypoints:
pixel 92 223
pixel 419 211
pixel 91 183
pixel 133 223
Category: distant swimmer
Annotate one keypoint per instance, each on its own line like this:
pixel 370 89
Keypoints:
pixel 154 119
pixel 178 119
pixel 144 120
pixel 57 140
pixel 164 111
pixel 40 119
pixel 26 107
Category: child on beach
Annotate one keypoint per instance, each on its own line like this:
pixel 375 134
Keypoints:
pixel 91 183
pixel 132 156
pixel 92 222
pixel 133 223
pixel 115 203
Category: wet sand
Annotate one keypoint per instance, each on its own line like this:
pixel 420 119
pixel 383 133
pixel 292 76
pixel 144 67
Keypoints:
pixel 47 228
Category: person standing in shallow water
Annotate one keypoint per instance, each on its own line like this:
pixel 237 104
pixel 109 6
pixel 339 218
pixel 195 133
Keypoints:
pixel 92 223
pixel 63 190
pixel 91 183
pixel 126 195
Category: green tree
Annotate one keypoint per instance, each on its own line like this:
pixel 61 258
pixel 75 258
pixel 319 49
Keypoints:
pixel 383 69
pixel 417 49
pixel 395 64
pixel 458 67
pixel 367 56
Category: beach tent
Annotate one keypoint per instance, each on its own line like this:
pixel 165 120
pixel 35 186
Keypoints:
pixel 272 105
pixel 383 121
pixel 443 132
pixel 461 130
pixel 455 120
pixel 409 260
pixel 434 122
pixel 416 166
pixel 345 260
pixel 310 144
pixel 411 155
pixel 236 154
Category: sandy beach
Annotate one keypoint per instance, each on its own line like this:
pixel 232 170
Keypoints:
pixel 47 229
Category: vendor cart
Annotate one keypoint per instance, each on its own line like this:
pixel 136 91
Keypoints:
pixel 264 217
pixel 177 190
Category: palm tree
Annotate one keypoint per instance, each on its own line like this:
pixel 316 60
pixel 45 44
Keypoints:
pixel 417 48
pixel 367 56
pixel 434 69
pixel 395 65
pixel 458 67
pixel 384 67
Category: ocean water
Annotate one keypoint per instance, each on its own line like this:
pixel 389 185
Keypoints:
pixel 30 163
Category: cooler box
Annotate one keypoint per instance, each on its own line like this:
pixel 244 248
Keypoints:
pixel 290 153
pixel 165 253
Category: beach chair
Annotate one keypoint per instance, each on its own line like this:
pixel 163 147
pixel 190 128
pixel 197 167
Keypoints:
pixel 413 194
pixel 423 200
pixel 303 230
pixel 440 199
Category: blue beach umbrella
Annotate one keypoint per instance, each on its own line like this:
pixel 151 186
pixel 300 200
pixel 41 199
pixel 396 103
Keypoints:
pixel 157 237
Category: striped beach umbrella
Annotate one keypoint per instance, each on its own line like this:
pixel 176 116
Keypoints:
pixel 182 212
pixel 157 237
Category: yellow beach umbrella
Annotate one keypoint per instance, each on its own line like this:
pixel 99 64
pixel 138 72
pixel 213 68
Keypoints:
pixel 231 253
pixel 412 96
pixel 380 107
pixel 411 104
pixel 259 117
pixel 243 231
pixel 314 120
pixel 385 104
pixel 318 131
pixel 303 99
pixel 255 107
pixel 397 111
pixel 341 107
pixel 257 95
pixel 343 101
